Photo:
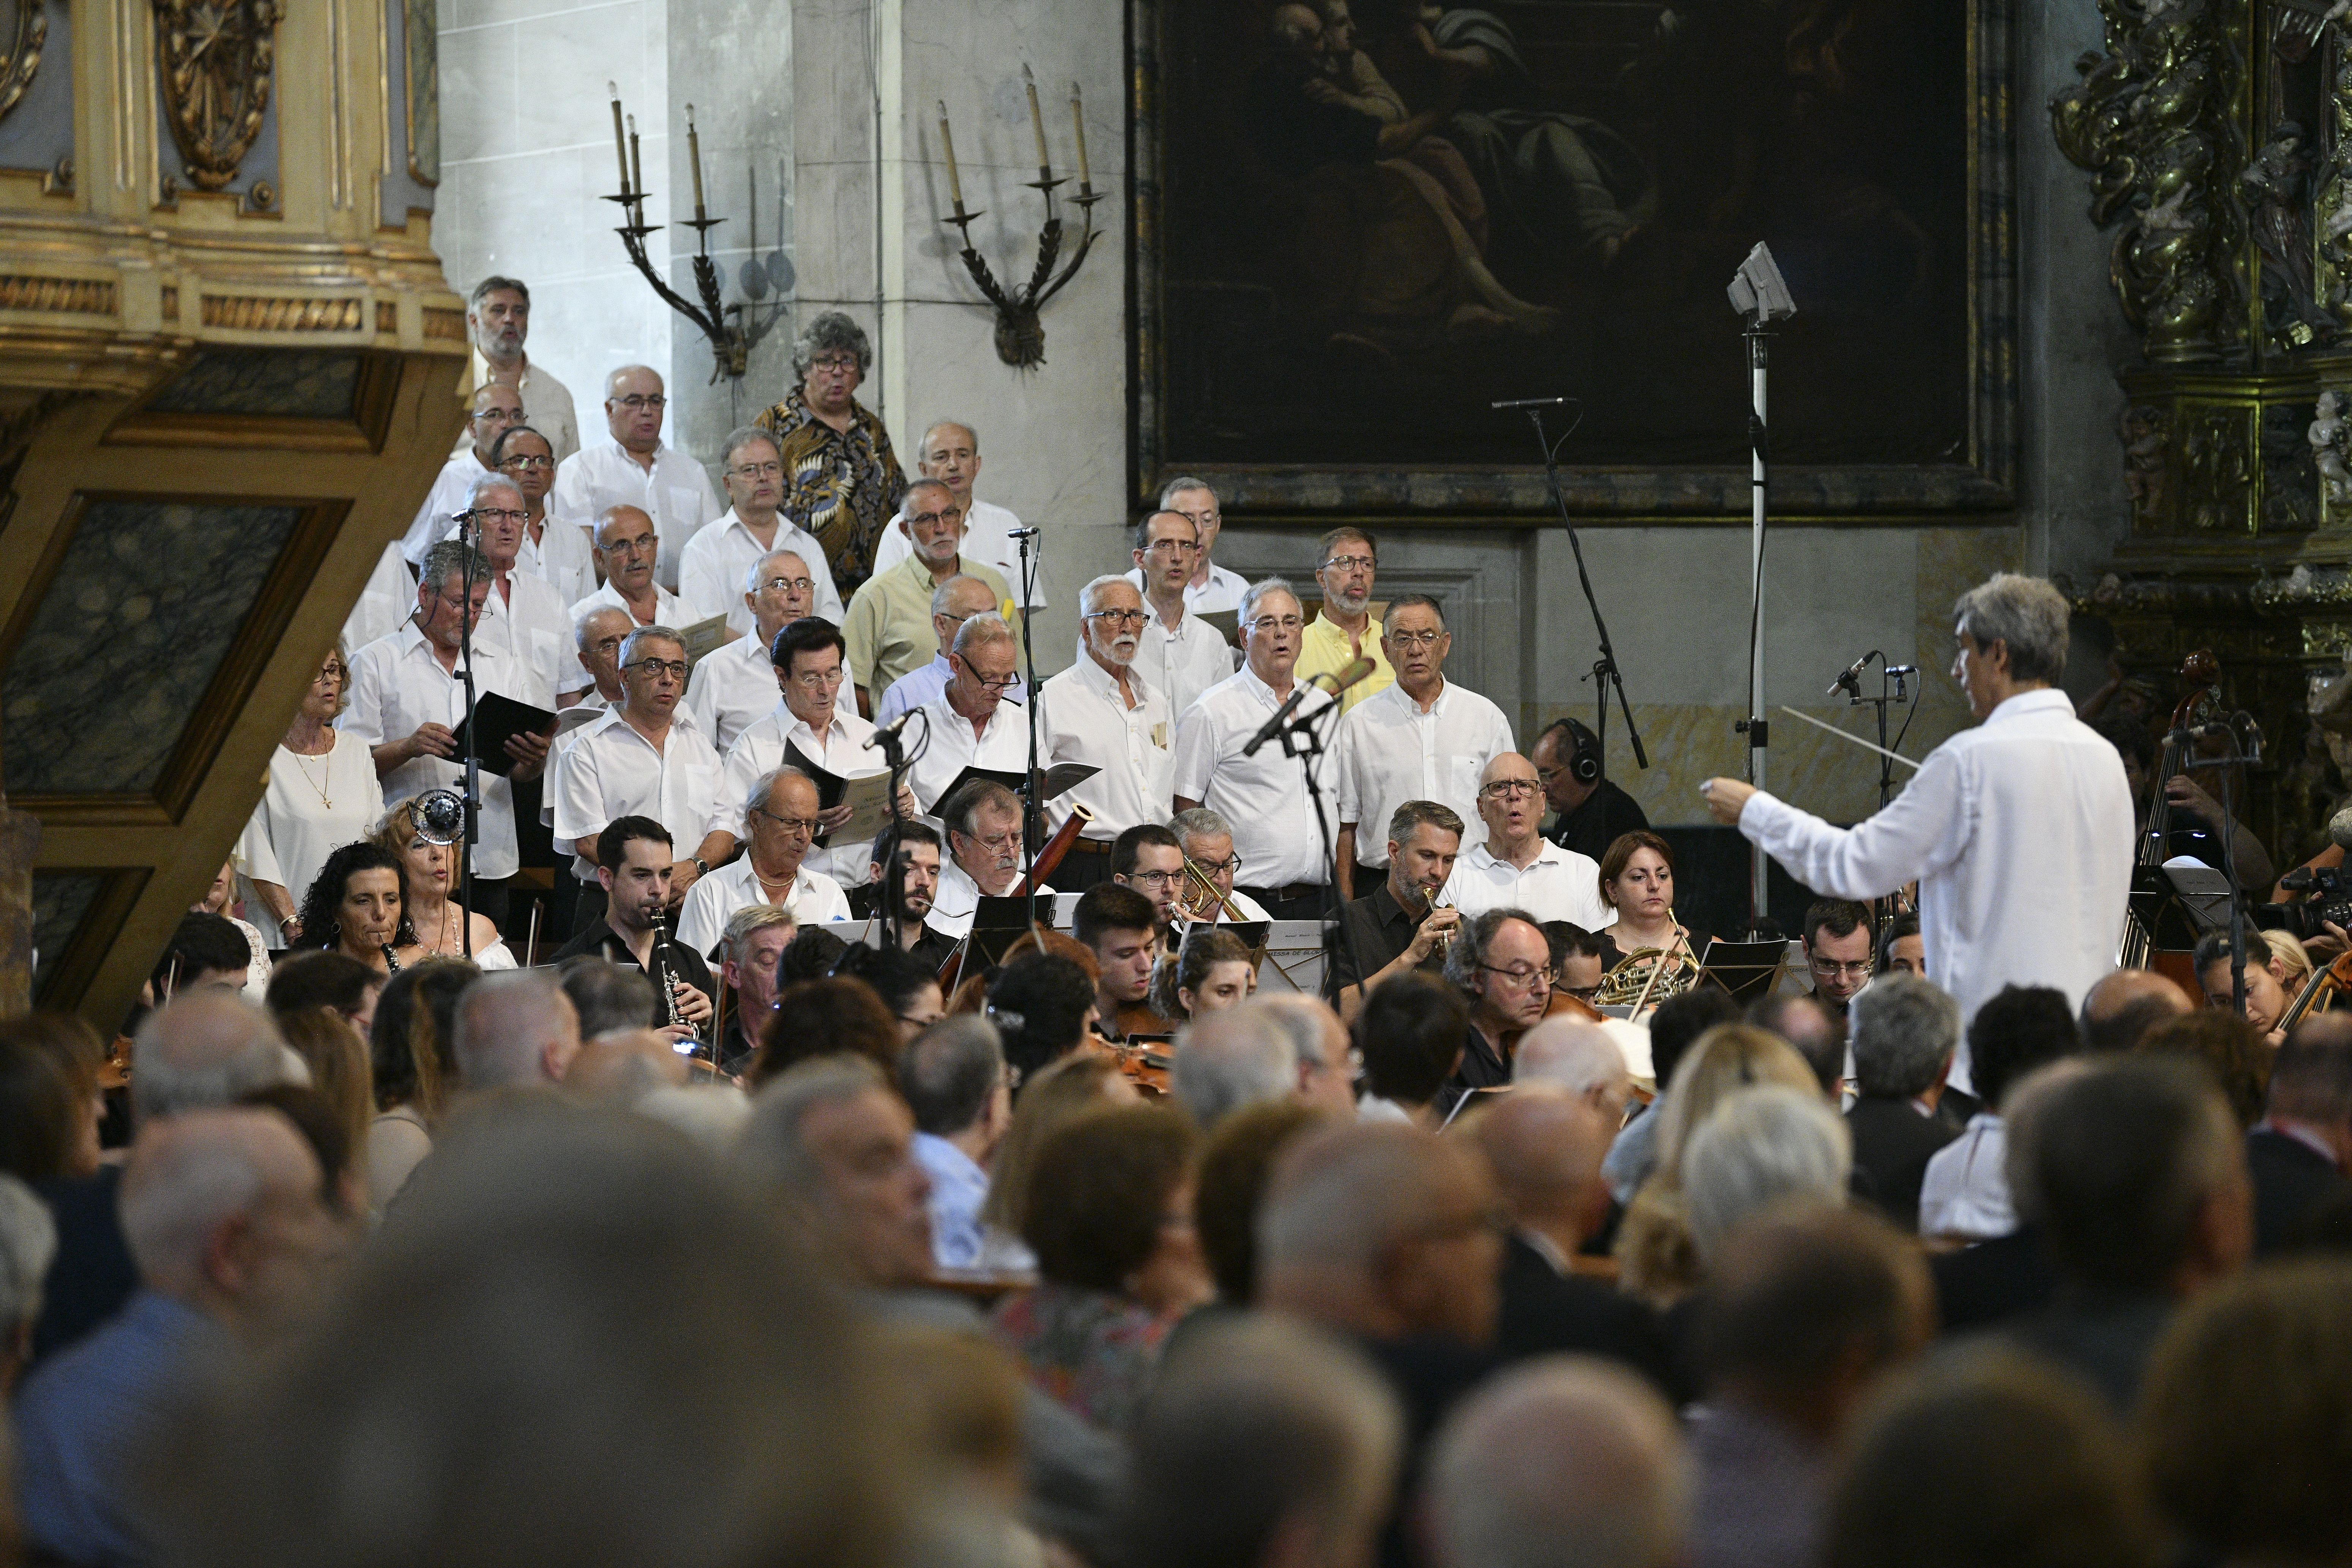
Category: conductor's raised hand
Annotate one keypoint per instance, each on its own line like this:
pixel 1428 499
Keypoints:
pixel 1725 798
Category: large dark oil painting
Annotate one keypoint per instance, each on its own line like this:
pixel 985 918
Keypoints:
pixel 1364 220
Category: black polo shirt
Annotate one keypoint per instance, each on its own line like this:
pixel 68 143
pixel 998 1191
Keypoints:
pixel 601 941
pixel 1607 815
pixel 1380 929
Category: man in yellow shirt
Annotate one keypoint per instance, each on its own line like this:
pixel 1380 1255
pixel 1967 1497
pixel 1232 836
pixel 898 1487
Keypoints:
pixel 1343 630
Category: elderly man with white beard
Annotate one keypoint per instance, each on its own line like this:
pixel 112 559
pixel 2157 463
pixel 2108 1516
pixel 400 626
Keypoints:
pixel 1101 712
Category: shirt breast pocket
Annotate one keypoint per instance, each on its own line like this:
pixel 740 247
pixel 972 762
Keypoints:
pixel 1460 775
pixel 681 508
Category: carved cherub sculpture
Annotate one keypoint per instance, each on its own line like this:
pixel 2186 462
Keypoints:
pixel 2328 449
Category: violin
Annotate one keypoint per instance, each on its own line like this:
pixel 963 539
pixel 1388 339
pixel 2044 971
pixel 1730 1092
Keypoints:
pixel 2321 989
pixel 1567 1005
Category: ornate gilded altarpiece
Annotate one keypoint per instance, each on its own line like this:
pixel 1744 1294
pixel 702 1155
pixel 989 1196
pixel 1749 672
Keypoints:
pixel 2218 135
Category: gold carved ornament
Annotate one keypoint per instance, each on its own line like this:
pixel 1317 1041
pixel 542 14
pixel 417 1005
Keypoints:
pixel 26 34
pixel 216 57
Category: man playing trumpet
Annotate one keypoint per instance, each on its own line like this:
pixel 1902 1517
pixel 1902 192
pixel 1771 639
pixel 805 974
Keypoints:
pixel 1400 925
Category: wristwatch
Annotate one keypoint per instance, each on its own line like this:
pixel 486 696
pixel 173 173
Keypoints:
pixel 699 868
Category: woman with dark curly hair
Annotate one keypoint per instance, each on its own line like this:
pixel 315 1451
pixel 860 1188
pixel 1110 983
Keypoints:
pixel 358 905
pixel 1044 1006
pixel 1110 1217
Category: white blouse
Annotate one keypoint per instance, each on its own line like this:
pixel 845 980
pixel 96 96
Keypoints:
pixel 311 808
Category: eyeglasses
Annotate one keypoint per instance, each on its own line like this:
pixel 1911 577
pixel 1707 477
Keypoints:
pixel 1154 878
pixel 1172 547
pixel 644 544
pixel 788 585
pixel 638 402
pixel 1280 623
pixel 816 679
pixel 1521 976
pixel 671 667
pixel 993 682
pixel 1349 563
pixel 1119 617
pixel 526 462
pixel 1854 971
pixel 1231 864
pixel 998 843
pixel 497 514
pixel 1511 789
pixel 840 365
pixel 803 825
pixel 333 672
pixel 769 470
pixel 1411 640
pixel 926 519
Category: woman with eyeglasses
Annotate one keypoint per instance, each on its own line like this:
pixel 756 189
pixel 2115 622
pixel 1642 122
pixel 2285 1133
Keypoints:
pixel 321 791
pixel 435 913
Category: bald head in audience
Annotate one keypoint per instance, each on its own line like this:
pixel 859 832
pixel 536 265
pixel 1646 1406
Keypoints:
pixel 515 1030
pixel 206 1047
pixel 1231 1057
pixel 1383 1231
pixel 1545 1147
pixel 2122 1008
pixel 1318 1044
pixel 1579 1056
pixel 223 1209
pixel 1559 1460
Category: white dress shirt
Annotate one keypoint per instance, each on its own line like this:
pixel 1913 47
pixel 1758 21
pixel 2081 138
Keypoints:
pixel 703 914
pixel 311 808
pixel 1222 590
pixel 389 598
pixel 1263 797
pixel 950 746
pixel 1183 663
pixel 398 684
pixel 730 687
pixel 717 561
pixel 759 750
pixel 533 628
pixel 1965 1189
pixel 547 405
pixel 560 556
pixel 958 901
pixel 1389 751
pixel 2020 833
pixel 609 769
pixel 675 494
pixel 1556 885
pixel 669 611
pixel 437 518
pixel 1086 720
pixel 987 538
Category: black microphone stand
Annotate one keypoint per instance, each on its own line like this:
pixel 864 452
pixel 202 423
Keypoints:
pixel 1604 675
pixel 1300 737
pixel 471 800
pixel 886 848
pixel 1032 811
pixel 2238 755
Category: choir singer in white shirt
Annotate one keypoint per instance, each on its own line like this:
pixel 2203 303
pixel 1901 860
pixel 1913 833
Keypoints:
pixel 780 815
pixel 970 724
pixel 2019 831
pixel 635 466
pixel 734 684
pixel 1102 712
pixel 710 569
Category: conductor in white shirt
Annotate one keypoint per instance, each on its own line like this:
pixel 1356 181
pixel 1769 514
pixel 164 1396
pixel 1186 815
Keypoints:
pixel 734 684
pixel 2019 831
pixel 1103 713
pixel 1518 867
pixel 1264 794
pixel 950 453
pixel 970 724
pixel 1422 738
pixel 711 572
pixel 953 602
pixel 634 467
pixel 781 813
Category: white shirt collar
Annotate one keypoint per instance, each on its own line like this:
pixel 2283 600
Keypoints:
pixel 1545 851
pixel 2042 701
pixel 1096 679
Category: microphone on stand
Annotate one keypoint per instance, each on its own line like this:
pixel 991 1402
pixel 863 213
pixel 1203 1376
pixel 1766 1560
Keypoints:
pixel 1345 677
pixel 1851 680
pixel 1531 403
pixel 1022 532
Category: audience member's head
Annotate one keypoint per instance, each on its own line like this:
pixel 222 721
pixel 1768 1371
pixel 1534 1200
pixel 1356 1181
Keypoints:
pixel 515 1029
pixel 2141 1175
pixel 1679 1021
pixel 1904 1030
pixel 326 1132
pixel 2311 1083
pixel 210 1048
pixel 1383 1231
pixel 1806 1310
pixel 2246 1418
pixel 1042 1004
pixel 46 1131
pixel 319 978
pixel 1109 1207
pixel 1318 1049
pixel 1986 1461
pixel 222 1209
pixel 1760 1149
pixel 204 950
pixel 1227 1059
pixel 2229 1047
pixel 341 1070
pixel 2126 1004
pixel 827 1017
pixel 1545 1149
pixel 1231 1186
pixel 1813 1031
pixel 1559 1460
pixel 28 1243
pixel 2029 1097
pixel 838 1146
pixel 411 1044
pixel 709 1390
pixel 1580 1057
pixel 2014 1031
pixel 1066 1089
pixel 606 996
pixel 1410 1034
pixel 909 988
pixel 1264 1442
pixel 952 1078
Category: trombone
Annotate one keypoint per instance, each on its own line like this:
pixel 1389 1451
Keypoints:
pixel 1206 895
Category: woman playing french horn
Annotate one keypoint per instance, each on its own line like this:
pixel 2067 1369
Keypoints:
pixel 1637 881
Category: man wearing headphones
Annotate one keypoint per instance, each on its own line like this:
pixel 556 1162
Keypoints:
pixel 1589 812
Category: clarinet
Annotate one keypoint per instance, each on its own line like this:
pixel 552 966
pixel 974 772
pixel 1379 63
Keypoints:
pixel 391 964
pixel 664 981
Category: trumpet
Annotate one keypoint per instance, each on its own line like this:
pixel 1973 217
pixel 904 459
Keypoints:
pixel 1438 900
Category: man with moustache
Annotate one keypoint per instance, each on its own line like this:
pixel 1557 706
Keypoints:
pixel 1343 630
pixel 1262 795
pixel 1100 712
pixel 1397 927
pixel 1180 653
pixel 734 684
pixel 950 453
pixel 636 468
pixel 1207 840
pixel 918 856
pixel 1518 867
pixel 711 570
pixel 1423 738
pixel 984 853
pixel 498 320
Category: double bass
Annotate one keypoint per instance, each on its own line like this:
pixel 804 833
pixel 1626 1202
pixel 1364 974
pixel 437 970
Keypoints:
pixel 2137 950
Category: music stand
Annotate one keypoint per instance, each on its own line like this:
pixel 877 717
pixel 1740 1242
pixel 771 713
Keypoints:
pixel 1748 969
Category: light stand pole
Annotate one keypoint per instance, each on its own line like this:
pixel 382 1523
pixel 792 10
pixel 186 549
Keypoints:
pixel 1758 293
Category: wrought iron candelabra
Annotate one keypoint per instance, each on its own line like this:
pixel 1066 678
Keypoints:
pixel 731 336
pixel 1020 333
